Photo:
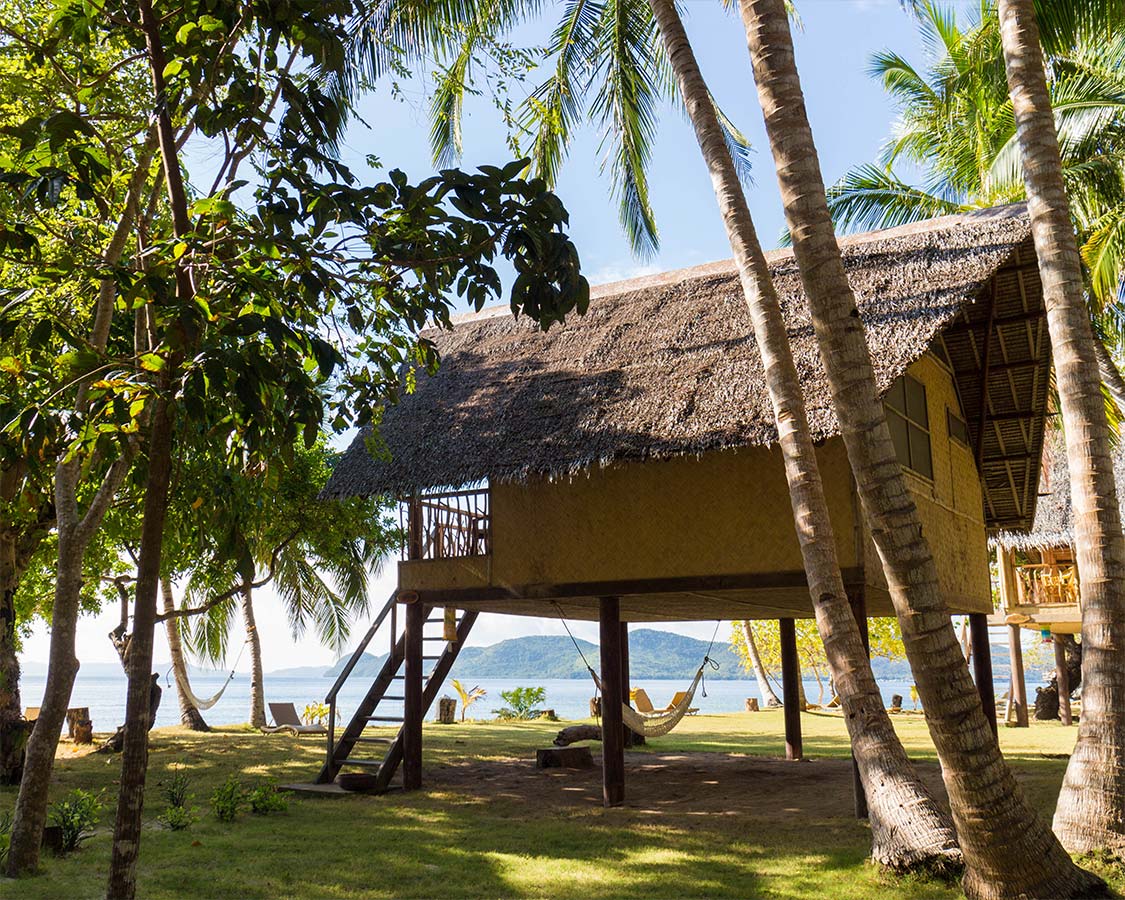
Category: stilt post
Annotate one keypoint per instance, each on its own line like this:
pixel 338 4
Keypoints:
pixel 412 697
pixel 632 739
pixel 982 666
pixel 613 735
pixel 790 685
pixel 1062 679
pixel 859 610
pixel 1019 685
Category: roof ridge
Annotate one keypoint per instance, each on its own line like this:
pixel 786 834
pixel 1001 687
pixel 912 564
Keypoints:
pixel 728 267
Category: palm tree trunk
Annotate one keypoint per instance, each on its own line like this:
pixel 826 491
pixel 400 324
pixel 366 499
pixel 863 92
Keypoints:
pixel 1110 375
pixel 1009 851
pixel 189 712
pixel 769 698
pixel 908 828
pixel 257 688
pixel 1091 806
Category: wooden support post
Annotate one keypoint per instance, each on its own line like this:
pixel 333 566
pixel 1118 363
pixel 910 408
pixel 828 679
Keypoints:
pixel 790 686
pixel 982 666
pixel 859 610
pixel 632 739
pixel 412 697
pixel 1019 686
pixel 1062 679
pixel 613 737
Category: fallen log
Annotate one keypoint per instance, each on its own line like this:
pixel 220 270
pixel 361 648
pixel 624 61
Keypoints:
pixel 574 733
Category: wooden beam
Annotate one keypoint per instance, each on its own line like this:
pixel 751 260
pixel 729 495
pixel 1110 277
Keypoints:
pixel 790 687
pixel 1062 679
pixel 982 665
pixel 1018 693
pixel 986 359
pixel 613 737
pixel 413 711
pixel 859 609
pixel 998 321
pixel 792 578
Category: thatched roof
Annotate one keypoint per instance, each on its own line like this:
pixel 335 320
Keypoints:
pixel 1054 517
pixel 665 365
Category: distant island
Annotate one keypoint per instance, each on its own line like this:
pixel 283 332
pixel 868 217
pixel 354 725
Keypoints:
pixel 652 655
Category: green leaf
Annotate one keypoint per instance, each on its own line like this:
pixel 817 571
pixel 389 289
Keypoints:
pixel 173 68
pixel 151 362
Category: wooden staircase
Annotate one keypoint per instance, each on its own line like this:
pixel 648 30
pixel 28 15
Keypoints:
pixel 389 688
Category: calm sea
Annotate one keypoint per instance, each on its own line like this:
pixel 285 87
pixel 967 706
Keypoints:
pixel 105 695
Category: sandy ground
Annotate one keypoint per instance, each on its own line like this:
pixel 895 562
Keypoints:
pixel 696 783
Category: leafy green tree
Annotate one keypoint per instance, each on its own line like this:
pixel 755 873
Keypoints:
pixel 256 310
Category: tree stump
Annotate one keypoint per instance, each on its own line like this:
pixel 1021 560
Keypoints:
pixel 752 704
pixel 84 732
pixel 896 702
pixel 564 758
pixel 74 716
pixel 447 711
pixel 595 707
pixel 572 734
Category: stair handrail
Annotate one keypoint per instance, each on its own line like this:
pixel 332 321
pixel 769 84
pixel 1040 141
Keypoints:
pixel 367 638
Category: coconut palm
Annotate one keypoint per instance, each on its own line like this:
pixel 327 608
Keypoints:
pixel 1091 806
pixel 271 529
pixel 1008 850
pixel 956 125
pixel 468 696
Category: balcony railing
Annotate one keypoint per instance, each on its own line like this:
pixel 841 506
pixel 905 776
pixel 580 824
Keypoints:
pixel 1046 584
pixel 447 525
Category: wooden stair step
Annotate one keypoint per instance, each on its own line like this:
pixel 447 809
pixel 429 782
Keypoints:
pixel 365 763
pixel 374 740
pixel 383 718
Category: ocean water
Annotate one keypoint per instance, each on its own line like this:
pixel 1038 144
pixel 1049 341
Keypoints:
pixel 105 696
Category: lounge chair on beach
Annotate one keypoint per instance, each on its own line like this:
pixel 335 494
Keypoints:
pixel 677 699
pixel 31 713
pixel 641 702
pixel 285 719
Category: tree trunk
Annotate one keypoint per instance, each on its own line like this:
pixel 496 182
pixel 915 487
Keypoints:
pixel 1110 375
pixel 138 706
pixel 1090 815
pixel 769 698
pixel 257 688
pixel 1008 850
pixel 190 715
pixel 908 827
pixel 62 668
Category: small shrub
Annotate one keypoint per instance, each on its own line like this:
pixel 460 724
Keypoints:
pixel 177 818
pixel 5 839
pixel 522 703
pixel 266 798
pixel 176 790
pixel 315 714
pixel 75 815
pixel 228 799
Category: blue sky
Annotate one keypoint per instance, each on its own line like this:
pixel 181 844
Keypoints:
pixel 851 119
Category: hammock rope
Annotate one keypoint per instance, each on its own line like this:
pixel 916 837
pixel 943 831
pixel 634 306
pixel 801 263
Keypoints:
pixel 655 724
pixel 185 686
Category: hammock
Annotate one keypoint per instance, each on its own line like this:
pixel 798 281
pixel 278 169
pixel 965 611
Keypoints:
pixel 197 702
pixel 658 723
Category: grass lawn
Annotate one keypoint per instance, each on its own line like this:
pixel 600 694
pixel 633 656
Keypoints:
pixel 696 822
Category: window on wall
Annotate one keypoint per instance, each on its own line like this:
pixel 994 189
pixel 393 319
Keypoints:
pixel 910 424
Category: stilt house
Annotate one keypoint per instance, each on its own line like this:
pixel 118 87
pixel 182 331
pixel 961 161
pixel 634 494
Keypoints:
pixel 1037 571
pixel 624 468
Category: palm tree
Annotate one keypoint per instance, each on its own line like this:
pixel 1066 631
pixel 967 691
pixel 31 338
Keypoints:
pixel 769 697
pixel 468 696
pixel 956 125
pixel 316 553
pixel 1091 806
pixel 908 828
pixel 1008 850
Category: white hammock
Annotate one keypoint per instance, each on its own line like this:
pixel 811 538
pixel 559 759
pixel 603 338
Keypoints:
pixel 658 723
pixel 198 703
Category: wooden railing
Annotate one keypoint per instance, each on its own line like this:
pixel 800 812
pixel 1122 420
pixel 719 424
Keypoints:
pixel 447 525
pixel 1046 584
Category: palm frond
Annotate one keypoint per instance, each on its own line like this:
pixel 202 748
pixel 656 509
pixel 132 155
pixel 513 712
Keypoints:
pixel 869 197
